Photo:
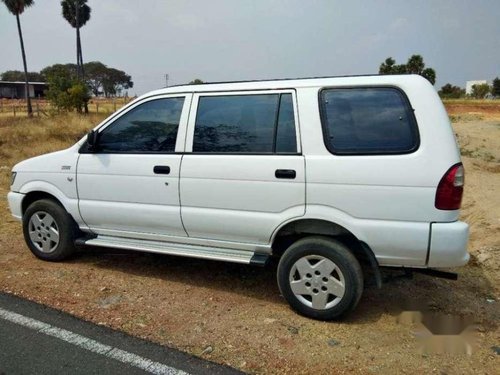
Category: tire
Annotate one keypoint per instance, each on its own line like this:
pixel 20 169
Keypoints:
pixel 320 278
pixel 49 231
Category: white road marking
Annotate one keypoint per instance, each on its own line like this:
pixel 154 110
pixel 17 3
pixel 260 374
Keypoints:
pixel 91 345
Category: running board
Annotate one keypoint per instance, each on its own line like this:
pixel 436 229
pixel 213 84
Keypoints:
pixel 170 248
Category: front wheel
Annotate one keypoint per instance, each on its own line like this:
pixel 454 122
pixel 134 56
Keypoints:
pixel 320 278
pixel 49 231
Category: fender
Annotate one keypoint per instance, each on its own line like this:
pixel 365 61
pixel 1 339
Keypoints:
pixel 325 213
pixel 406 246
pixel 69 204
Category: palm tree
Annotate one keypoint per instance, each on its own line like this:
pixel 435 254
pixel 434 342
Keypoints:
pixel 77 13
pixel 16 7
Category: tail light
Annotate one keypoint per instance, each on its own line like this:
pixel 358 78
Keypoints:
pixel 450 189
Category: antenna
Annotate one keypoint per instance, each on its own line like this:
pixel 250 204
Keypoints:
pixel 166 80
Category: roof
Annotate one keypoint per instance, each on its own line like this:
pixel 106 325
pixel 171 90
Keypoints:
pixel 288 83
pixel 22 83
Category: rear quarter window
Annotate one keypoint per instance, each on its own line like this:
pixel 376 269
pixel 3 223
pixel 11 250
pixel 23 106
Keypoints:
pixel 367 121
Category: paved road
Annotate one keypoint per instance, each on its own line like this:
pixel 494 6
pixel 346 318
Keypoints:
pixel 35 339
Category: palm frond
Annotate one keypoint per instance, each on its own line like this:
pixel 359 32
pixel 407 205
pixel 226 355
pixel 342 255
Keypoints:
pixel 16 7
pixel 69 12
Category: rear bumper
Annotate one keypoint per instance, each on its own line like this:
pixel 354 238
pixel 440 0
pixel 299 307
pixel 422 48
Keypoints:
pixel 448 247
pixel 15 204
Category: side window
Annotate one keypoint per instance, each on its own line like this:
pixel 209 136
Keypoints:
pixel 244 123
pixel 286 141
pixel 149 127
pixel 368 121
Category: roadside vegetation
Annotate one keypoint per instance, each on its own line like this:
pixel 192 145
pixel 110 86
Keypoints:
pixel 22 138
pixel 479 92
pixel 70 85
pixel 10 108
pixel 414 65
pixel 17 7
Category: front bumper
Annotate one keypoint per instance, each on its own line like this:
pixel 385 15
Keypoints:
pixel 448 246
pixel 15 204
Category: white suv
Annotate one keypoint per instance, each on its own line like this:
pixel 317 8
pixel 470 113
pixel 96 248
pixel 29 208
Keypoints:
pixel 335 176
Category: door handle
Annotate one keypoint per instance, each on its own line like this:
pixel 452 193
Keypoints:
pixel 285 173
pixel 161 169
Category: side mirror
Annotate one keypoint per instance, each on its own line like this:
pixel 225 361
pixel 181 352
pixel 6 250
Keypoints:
pixel 92 140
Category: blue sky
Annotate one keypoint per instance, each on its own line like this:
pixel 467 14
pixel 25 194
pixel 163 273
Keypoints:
pixel 257 39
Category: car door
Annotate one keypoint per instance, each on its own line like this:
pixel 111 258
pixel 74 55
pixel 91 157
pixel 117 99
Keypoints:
pixel 129 184
pixel 243 173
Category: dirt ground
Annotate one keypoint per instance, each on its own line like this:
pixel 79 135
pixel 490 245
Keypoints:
pixel 234 314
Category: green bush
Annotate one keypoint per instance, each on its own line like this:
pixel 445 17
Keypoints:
pixel 65 92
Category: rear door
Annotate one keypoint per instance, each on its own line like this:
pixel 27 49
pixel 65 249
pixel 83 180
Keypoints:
pixel 243 173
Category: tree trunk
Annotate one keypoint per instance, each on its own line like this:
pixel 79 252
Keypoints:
pixel 77 27
pixel 78 74
pixel 78 54
pixel 80 61
pixel 79 58
pixel 26 85
pixel 82 71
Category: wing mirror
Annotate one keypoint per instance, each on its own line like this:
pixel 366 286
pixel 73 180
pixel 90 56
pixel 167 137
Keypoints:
pixel 92 140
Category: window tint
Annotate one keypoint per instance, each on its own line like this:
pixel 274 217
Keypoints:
pixel 286 141
pixel 149 127
pixel 236 123
pixel 368 121
pixel 245 123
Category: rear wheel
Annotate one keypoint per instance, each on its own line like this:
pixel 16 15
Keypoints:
pixel 49 231
pixel 320 278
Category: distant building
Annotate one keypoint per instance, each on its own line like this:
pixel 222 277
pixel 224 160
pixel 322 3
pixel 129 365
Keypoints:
pixel 15 90
pixel 469 84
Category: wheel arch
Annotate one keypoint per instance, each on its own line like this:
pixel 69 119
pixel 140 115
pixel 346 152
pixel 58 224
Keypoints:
pixel 36 190
pixel 291 231
pixel 37 195
pixel 42 189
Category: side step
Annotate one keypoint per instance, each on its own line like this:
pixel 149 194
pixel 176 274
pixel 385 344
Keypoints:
pixel 171 248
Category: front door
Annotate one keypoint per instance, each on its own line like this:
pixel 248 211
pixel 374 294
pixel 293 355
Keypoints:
pixel 129 184
pixel 243 173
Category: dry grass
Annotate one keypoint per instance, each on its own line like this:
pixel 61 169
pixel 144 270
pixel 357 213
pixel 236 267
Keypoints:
pixel 492 102
pixel 482 102
pixel 41 107
pixel 461 110
pixel 22 138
